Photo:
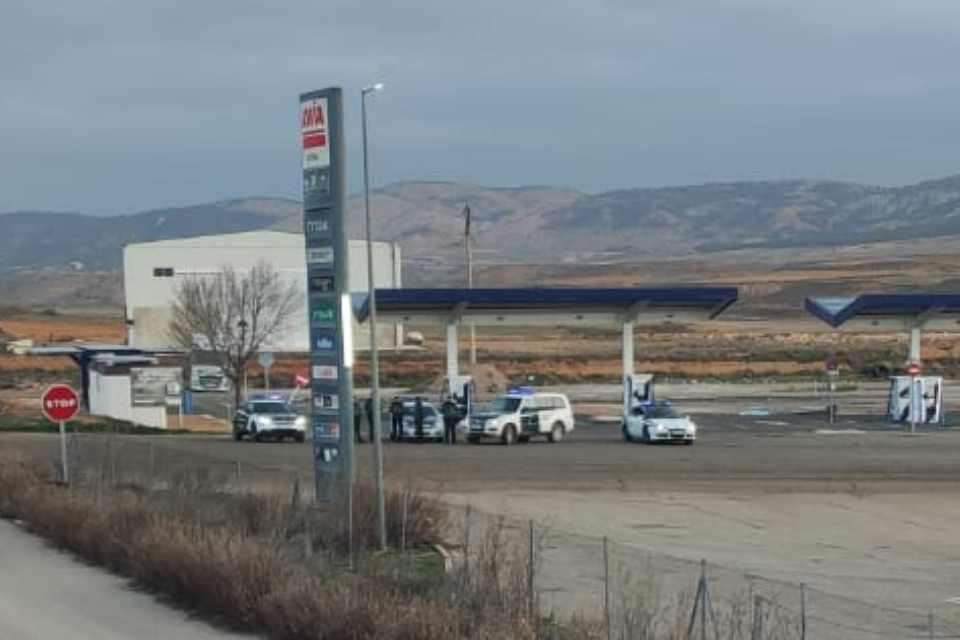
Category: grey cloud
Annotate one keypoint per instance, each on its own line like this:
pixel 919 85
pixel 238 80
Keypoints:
pixel 113 106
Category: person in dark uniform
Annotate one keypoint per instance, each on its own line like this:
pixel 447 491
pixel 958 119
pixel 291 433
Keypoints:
pixel 396 419
pixel 450 411
pixel 368 407
pixel 418 416
pixel 357 420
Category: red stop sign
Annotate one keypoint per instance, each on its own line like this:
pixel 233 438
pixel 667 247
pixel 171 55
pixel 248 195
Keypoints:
pixel 59 403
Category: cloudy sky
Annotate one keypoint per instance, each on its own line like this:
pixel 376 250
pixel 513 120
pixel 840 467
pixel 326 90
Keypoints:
pixel 112 106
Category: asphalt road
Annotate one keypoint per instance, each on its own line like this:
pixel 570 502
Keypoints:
pixel 752 453
pixel 45 594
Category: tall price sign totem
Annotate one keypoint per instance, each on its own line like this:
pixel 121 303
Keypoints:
pixel 329 308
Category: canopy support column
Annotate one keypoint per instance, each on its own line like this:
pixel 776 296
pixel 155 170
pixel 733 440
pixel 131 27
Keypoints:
pixel 453 354
pixel 915 335
pixel 627 355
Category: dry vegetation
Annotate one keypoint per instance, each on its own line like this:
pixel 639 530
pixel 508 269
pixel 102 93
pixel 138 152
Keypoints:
pixel 279 565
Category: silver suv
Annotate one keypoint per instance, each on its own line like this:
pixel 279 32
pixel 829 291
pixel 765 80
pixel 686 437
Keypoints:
pixel 268 418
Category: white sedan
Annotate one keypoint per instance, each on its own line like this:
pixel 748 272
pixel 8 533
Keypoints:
pixel 659 422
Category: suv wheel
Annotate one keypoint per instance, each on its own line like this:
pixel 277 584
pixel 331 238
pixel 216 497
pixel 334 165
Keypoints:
pixel 556 433
pixel 509 434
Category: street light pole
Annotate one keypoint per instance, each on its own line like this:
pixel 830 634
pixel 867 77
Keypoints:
pixel 374 354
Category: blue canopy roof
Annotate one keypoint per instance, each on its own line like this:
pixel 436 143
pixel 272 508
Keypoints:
pixel 714 300
pixel 836 311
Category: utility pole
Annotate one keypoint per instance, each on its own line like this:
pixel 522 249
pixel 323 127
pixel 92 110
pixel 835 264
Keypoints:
pixel 374 354
pixel 469 250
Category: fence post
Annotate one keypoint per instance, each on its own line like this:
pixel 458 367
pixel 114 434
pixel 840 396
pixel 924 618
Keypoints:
pixel 295 497
pixel 153 461
pixel 403 522
pixel 530 576
pixel 757 632
pixel 466 545
pixel 606 587
pixel 803 611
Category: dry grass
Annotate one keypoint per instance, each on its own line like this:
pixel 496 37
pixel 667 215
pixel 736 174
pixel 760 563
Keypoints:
pixel 278 566
pixel 263 563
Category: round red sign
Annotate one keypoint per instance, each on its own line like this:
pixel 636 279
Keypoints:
pixel 59 403
pixel 913 369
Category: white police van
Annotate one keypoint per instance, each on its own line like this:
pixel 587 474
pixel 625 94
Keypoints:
pixel 522 414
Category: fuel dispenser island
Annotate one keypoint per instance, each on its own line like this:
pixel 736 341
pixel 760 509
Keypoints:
pixel 637 392
pixel 916 399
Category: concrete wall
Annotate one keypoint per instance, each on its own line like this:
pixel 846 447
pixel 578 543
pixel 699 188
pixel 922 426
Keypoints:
pixel 110 395
pixel 149 296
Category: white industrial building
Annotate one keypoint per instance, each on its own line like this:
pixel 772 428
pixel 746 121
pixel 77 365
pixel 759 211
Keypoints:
pixel 152 270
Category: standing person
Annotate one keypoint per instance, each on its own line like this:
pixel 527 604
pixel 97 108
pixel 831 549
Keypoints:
pixel 451 416
pixel 368 405
pixel 396 419
pixel 418 416
pixel 357 420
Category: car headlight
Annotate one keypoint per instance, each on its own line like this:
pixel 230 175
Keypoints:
pixel 300 422
pixel 264 422
pixel 661 428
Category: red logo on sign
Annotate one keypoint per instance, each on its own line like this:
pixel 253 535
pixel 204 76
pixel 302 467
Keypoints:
pixel 59 403
pixel 313 124
pixel 913 369
pixel 301 380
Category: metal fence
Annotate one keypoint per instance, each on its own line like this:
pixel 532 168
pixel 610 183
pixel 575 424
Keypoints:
pixel 630 592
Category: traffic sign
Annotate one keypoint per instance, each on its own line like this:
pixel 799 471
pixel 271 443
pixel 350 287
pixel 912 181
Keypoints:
pixel 59 403
pixel 913 369
pixel 265 359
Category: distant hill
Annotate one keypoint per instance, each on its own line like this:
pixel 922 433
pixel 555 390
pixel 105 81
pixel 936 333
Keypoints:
pixel 535 224
pixel 33 239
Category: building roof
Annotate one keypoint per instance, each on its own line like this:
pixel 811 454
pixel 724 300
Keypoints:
pixel 910 307
pixel 259 239
pixel 555 305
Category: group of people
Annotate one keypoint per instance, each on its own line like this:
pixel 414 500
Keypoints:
pixel 451 412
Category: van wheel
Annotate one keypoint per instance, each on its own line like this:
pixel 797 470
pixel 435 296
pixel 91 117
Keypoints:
pixel 626 434
pixel 509 434
pixel 646 434
pixel 237 436
pixel 556 433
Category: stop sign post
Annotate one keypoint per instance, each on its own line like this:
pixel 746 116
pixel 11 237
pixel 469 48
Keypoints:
pixel 60 403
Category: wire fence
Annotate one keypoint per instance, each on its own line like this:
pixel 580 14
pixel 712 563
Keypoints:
pixel 633 592
pixel 639 594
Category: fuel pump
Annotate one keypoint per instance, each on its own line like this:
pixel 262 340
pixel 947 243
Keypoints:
pixel 637 391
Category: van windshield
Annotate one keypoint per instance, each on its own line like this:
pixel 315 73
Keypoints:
pixel 504 404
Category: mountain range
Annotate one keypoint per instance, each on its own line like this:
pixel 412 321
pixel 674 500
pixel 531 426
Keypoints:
pixel 534 224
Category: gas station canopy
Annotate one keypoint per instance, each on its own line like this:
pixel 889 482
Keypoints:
pixel 935 311
pixel 561 306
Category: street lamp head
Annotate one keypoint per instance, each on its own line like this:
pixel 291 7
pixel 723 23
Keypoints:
pixel 373 87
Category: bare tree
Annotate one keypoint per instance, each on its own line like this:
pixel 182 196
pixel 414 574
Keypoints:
pixel 234 314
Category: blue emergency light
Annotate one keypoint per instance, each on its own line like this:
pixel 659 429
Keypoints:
pixel 521 391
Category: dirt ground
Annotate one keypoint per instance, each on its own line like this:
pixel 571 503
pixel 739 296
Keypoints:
pixel 867 520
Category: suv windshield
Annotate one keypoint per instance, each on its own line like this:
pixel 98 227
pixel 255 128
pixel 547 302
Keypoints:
pixel 428 410
pixel 663 411
pixel 505 404
pixel 270 407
